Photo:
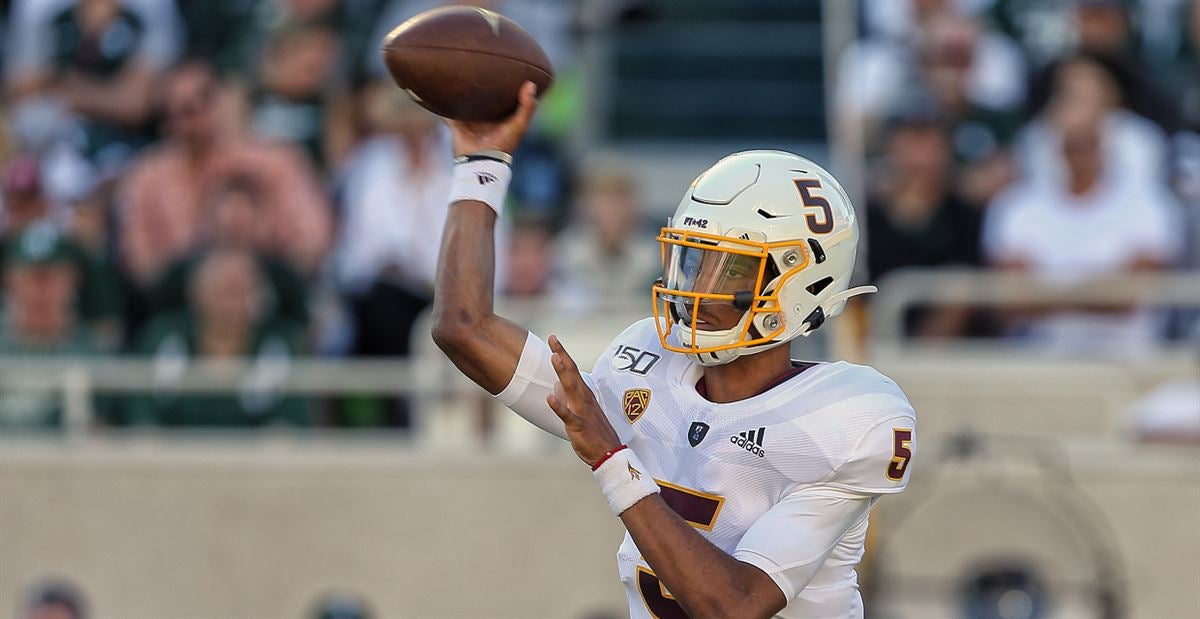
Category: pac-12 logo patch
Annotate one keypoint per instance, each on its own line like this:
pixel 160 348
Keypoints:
pixel 634 402
pixel 697 432
pixel 630 359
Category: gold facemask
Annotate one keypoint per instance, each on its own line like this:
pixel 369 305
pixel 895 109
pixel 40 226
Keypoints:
pixel 701 268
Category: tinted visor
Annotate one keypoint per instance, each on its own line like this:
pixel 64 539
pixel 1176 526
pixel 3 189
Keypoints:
pixel 706 273
pixel 709 271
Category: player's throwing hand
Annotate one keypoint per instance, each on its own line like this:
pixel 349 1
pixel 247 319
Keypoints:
pixel 587 428
pixel 503 136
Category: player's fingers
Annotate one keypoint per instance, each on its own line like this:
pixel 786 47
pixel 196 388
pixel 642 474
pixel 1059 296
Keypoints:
pixel 565 375
pixel 556 345
pixel 527 96
pixel 526 103
pixel 568 373
pixel 558 407
pixel 575 391
pixel 559 402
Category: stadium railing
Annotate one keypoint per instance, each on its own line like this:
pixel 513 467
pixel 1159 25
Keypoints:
pixel 906 289
pixel 981 371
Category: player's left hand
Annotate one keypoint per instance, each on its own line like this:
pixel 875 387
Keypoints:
pixel 587 428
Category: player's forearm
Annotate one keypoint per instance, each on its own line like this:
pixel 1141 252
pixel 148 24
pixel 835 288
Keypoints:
pixel 483 346
pixel 705 580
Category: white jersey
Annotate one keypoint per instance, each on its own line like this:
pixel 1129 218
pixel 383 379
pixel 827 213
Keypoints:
pixel 783 480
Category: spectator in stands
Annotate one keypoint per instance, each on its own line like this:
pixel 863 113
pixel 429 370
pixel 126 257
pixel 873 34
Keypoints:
pixel 236 222
pixel 1183 76
pixel 95 60
pixel 294 100
pixel 1179 75
pixel 41 290
pixel 394 192
pixel 27 206
pixel 233 34
pixel 1097 222
pixel 980 131
pixel 1104 30
pixel 530 261
pixel 22 201
pixel 1087 92
pixel 163 193
pixel 915 219
pixel 54 600
pixel 947 59
pixel 605 249
pixel 226 322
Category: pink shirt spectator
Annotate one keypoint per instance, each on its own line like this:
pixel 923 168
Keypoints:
pixel 163 204
pixel 163 194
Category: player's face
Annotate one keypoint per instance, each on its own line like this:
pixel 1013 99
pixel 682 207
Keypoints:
pixel 711 271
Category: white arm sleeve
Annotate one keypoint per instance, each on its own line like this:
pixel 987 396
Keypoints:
pixel 533 380
pixel 791 541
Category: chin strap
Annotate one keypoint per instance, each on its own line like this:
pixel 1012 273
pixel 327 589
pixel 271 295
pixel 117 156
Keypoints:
pixel 817 318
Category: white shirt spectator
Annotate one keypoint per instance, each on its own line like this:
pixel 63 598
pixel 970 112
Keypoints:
pixel 1068 239
pixel 1134 146
pixel 393 216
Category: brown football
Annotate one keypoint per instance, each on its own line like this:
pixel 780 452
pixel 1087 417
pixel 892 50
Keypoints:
pixel 464 62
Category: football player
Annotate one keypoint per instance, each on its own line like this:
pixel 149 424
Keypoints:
pixel 743 478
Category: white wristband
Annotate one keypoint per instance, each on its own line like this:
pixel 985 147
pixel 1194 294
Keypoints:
pixel 624 480
pixel 482 180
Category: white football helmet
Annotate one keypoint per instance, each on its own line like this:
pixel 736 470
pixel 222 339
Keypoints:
pixel 769 232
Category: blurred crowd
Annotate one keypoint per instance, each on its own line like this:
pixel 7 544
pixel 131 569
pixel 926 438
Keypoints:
pixel 237 179
pixel 240 179
pixel 1059 138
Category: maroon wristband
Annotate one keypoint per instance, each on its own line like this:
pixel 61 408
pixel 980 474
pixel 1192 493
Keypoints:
pixel 608 455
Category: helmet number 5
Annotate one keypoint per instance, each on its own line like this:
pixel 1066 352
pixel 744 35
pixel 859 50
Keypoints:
pixel 822 224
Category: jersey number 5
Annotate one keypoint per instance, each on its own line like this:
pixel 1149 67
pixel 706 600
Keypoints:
pixel 901 453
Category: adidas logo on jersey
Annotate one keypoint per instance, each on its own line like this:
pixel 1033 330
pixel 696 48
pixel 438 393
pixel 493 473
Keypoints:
pixel 751 441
